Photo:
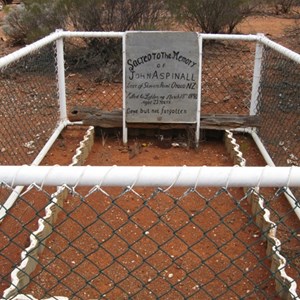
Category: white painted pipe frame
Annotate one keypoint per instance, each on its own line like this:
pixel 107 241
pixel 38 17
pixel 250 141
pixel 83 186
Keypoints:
pixel 93 34
pixel 288 194
pixel 279 48
pixel 151 176
pixel 58 35
pixel 239 37
pixel 256 77
pixel 18 189
pixel 12 57
pixel 4 61
pixel 61 78
pixel 199 97
pixel 259 38
pixel 124 124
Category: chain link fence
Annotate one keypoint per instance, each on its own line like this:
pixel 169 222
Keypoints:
pixel 29 109
pixel 150 243
pixel 94 73
pixel 94 79
pixel 227 74
pixel 279 107
pixel 132 242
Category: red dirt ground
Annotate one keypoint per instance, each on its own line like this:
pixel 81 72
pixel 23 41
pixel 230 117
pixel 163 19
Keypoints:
pixel 175 259
pixel 109 151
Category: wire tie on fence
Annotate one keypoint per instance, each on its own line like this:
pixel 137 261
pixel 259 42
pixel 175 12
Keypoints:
pixel 289 176
pixel 16 175
pixel 176 179
pixel 261 175
pixel 73 188
pixel 97 187
pixel 28 189
pixel 136 179
pixel 230 175
pixel 198 176
pixel 105 175
pixel 47 175
pixel 79 178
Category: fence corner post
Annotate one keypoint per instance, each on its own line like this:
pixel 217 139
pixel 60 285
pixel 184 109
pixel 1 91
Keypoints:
pixel 61 77
pixel 198 113
pixel 124 125
pixel 256 76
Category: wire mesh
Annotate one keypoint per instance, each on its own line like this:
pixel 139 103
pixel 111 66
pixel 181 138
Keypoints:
pixel 28 107
pixel 227 74
pixel 144 243
pixel 94 73
pixel 94 79
pixel 136 243
pixel 279 107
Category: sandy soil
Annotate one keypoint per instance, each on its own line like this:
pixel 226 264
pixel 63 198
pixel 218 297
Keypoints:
pixel 127 231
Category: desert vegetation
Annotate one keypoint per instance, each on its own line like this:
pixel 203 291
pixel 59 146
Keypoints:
pixel 33 19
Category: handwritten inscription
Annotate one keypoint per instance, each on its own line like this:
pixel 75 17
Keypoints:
pixel 158 57
pixel 161 83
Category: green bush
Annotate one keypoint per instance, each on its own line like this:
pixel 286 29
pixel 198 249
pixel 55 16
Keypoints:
pixel 32 20
pixel 211 16
pixel 114 15
pixel 15 25
pixel 37 18
pixel 283 6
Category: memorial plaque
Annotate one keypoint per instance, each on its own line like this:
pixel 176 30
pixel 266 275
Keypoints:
pixel 161 77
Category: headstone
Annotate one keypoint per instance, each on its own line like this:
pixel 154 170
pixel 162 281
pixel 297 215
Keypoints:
pixel 161 77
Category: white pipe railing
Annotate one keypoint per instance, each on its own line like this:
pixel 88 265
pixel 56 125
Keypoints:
pixel 12 57
pixel 280 49
pixel 151 176
pixel 10 201
pixel 199 93
pixel 256 78
pixel 124 124
pixel 61 84
pixel 93 34
pixel 253 38
pixel 239 37
pixel 288 193
pixel 58 37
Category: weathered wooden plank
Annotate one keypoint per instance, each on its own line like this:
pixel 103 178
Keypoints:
pixel 113 119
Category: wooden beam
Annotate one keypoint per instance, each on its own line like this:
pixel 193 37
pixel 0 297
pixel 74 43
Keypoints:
pixel 113 119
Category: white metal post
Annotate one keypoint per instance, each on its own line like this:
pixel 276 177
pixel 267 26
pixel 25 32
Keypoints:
pixel 280 49
pixel 197 133
pixel 288 194
pixel 12 57
pixel 125 130
pixel 10 201
pixel 61 78
pixel 148 176
pixel 256 77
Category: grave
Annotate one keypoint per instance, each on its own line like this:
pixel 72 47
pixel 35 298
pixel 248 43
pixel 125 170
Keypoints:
pixel 161 77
